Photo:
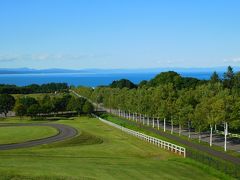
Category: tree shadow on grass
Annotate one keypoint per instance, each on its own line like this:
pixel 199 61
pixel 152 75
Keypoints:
pixel 15 176
pixel 82 139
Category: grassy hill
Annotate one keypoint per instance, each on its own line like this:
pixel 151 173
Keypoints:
pixel 100 152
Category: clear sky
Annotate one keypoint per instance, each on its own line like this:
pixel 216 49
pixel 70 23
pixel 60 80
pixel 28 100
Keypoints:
pixel 78 34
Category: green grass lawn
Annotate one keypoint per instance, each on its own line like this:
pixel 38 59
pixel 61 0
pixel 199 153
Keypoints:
pixel 38 95
pixel 100 152
pixel 9 135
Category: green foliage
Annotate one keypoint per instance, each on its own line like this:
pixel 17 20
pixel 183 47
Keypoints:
pixel 27 101
pixel 175 79
pixel 33 110
pixel 87 108
pixel 165 78
pixel 43 106
pixel 228 78
pixel 34 88
pixel 142 83
pixel 123 83
pixel 60 103
pixel 183 100
pixel 6 103
pixel 76 104
pixel 214 78
pixel 20 109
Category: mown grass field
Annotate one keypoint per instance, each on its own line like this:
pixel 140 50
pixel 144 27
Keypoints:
pixel 38 95
pixel 100 152
pixel 9 135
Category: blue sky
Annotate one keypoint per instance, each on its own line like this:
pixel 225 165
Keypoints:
pixel 78 34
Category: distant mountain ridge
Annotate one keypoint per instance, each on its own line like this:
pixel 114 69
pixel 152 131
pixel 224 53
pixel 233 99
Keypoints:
pixel 111 71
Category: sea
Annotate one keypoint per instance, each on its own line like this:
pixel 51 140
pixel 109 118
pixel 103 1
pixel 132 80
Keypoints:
pixel 86 79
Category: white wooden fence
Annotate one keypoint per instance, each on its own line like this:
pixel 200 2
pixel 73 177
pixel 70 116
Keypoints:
pixel 158 142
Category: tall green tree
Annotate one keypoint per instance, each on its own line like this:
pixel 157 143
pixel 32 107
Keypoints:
pixel 76 104
pixel 33 110
pixel 20 110
pixel 228 78
pixel 199 121
pixel 88 108
pixel 214 78
pixel 6 103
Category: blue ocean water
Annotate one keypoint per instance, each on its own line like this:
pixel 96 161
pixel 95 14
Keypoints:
pixel 91 80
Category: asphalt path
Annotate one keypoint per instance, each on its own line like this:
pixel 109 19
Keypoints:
pixel 64 132
pixel 187 143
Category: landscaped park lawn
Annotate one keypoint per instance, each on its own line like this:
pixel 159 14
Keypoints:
pixel 38 95
pixel 100 152
pixel 9 135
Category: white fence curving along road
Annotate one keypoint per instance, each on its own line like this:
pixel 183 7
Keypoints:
pixel 158 142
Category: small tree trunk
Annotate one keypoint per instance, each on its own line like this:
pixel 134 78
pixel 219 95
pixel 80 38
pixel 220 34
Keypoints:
pixel 199 136
pixel 145 119
pixel 189 130
pixel 215 127
pixel 148 121
pixel 153 122
pixel 180 129
pixel 158 124
pixel 164 125
pixel 211 129
pixel 171 126
pixel 225 136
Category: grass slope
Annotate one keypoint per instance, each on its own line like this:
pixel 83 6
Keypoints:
pixel 9 135
pixel 100 152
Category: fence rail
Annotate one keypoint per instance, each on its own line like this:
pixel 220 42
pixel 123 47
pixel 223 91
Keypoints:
pixel 158 142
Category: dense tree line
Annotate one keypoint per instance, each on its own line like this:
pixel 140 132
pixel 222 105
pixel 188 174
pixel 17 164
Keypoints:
pixel 29 106
pixel 186 102
pixel 33 88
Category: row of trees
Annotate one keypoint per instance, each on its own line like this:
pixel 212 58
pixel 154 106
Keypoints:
pixel 34 88
pixel 29 106
pixel 203 105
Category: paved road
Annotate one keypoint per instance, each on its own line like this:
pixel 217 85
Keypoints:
pixel 200 147
pixel 65 132
pixel 187 143
pixel 217 139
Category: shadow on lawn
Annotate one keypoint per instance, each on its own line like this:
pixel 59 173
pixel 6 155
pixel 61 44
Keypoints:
pixel 82 139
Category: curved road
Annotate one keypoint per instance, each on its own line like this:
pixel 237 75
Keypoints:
pixel 64 132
